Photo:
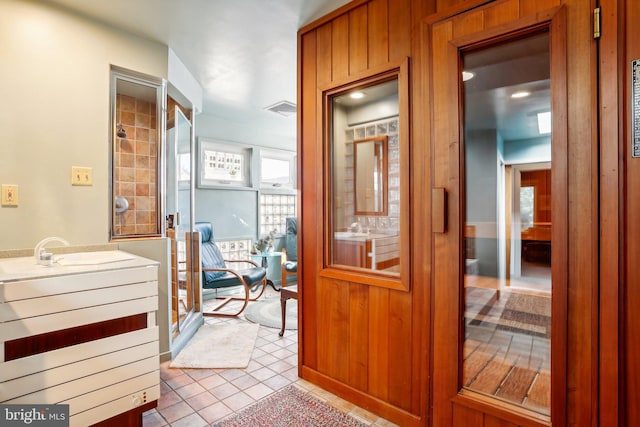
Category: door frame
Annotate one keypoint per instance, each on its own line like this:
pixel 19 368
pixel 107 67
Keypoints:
pixel 447 172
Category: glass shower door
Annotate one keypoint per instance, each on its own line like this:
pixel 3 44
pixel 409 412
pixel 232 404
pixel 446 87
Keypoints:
pixel 179 218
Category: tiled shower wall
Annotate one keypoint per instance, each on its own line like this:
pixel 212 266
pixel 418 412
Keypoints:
pixel 136 166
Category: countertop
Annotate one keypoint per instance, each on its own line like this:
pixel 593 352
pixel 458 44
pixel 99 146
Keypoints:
pixel 23 268
pixel 359 237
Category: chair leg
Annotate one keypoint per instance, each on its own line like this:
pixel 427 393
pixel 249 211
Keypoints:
pixel 225 300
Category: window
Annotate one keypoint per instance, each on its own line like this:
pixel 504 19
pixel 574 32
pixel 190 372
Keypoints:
pixel 277 190
pixel 224 165
pixel 526 207
pixel 277 170
pixel 367 189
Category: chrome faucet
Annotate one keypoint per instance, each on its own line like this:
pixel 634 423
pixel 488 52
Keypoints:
pixel 41 255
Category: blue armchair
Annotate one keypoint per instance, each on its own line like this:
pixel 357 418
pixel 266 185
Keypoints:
pixel 216 274
pixel 290 250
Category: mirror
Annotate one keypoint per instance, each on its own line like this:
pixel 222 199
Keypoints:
pixel 370 175
pixel 137 103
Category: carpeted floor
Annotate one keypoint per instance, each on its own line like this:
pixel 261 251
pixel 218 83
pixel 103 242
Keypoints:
pixel 290 407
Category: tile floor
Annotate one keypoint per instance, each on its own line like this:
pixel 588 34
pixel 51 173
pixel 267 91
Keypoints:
pixel 200 397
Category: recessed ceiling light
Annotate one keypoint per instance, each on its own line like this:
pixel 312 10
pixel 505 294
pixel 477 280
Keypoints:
pixel 521 94
pixel 467 75
pixel 357 95
pixel 544 122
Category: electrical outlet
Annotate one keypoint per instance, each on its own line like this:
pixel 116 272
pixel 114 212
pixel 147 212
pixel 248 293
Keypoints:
pixel 81 175
pixel 9 195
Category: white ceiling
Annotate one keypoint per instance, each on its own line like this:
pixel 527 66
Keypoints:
pixel 242 52
pixel 244 55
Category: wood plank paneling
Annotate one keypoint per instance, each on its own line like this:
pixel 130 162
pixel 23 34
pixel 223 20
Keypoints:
pixel 530 7
pixel 380 366
pixel 445 372
pixel 378 33
pixel 323 55
pixel 309 254
pixel 468 23
pixel 377 347
pixel 612 150
pixel 400 348
pixel 500 13
pixel 340 49
pixel 324 316
pixel 631 292
pixel 490 421
pixel 582 175
pixel 334 329
pixel 399 22
pixel 419 210
pixel 465 417
pixel 358 40
pixel 358 336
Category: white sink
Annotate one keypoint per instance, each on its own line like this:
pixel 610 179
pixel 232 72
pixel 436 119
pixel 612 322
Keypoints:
pixel 349 235
pixel 92 258
pixel 28 267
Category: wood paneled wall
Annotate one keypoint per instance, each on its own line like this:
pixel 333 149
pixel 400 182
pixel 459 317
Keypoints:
pixel 540 180
pixel 366 343
pixel 374 346
pixel 630 297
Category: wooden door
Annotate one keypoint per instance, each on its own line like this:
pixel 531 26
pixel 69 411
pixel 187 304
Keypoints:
pixel 563 388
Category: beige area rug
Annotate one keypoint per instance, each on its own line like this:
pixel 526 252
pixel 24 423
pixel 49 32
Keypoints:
pixel 513 312
pixel 290 407
pixel 222 346
pixel 269 313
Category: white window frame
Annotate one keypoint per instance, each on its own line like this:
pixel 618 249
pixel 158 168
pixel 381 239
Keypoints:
pixel 273 187
pixel 206 146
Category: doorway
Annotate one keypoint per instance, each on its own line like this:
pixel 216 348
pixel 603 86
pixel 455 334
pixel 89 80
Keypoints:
pixel 503 300
pixel 507 324
pixel 530 257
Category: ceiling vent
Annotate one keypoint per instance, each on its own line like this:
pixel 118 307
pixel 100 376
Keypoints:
pixel 284 108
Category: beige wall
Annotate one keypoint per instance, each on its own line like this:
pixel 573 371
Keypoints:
pixel 54 82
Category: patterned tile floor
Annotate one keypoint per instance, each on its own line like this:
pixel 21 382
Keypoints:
pixel 200 397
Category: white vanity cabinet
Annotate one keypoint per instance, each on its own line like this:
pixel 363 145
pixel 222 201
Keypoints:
pixel 82 335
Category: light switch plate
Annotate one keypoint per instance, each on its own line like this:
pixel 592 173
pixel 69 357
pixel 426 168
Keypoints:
pixel 9 195
pixel 81 175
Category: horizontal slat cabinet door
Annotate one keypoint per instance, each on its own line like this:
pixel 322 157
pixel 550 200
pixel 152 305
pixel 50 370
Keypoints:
pixel 129 400
pixel 69 355
pixel 37 288
pixel 86 368
pixel 84 385
pixel 70 319
pixel 23 309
